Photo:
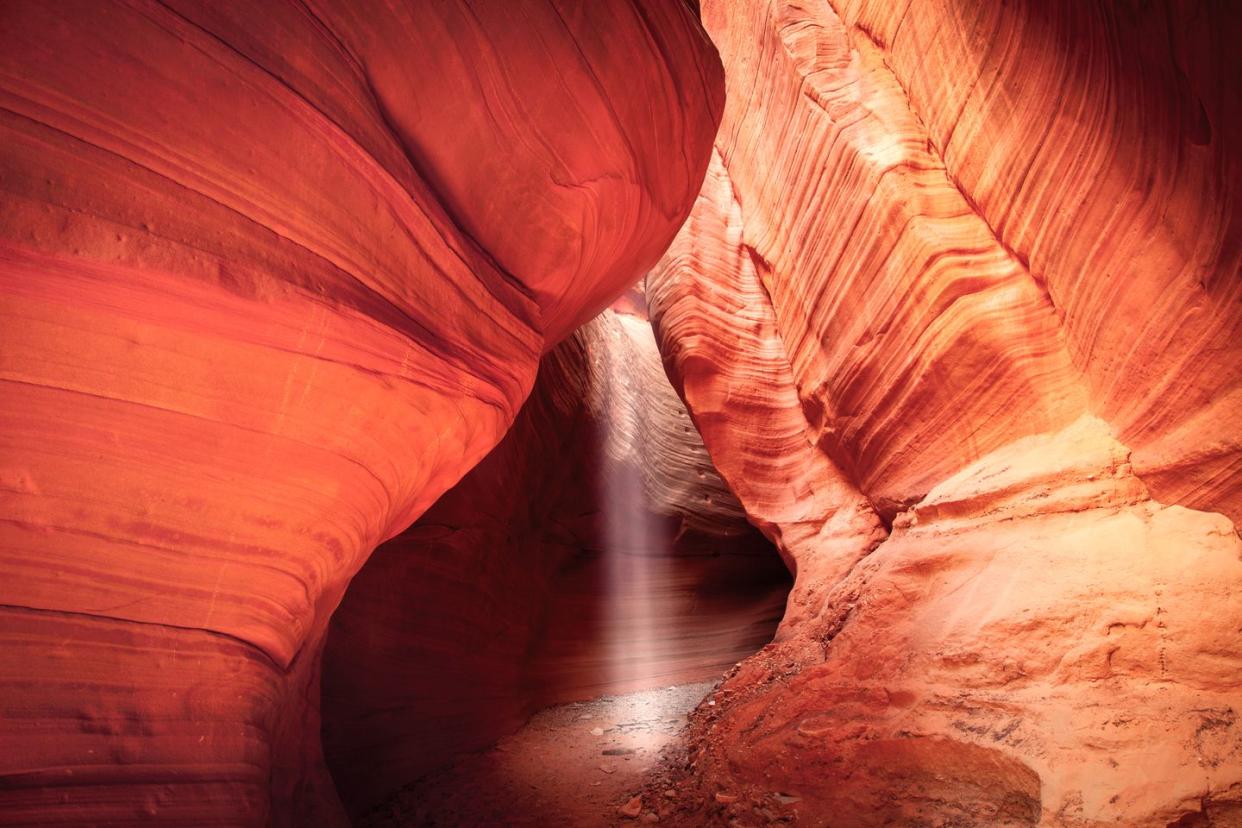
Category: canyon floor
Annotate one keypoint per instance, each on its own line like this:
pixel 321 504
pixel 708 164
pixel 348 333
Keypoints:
pixel 576 764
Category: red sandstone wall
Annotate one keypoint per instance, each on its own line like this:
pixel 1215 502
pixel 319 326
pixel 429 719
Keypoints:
pixel 958 314
pixel 272 278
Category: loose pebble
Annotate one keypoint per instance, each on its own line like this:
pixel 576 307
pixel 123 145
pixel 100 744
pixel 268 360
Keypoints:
pixel 632 808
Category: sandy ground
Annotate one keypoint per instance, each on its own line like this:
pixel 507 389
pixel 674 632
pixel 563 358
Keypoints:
pixel 571 765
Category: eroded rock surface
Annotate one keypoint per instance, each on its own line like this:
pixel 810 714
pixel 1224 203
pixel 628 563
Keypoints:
pixel 957 314
pixel 273 279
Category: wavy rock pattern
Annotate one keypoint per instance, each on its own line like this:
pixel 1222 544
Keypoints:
pixel 258 313
pixel 1117 196
pixel 723 350
pixel 957 313
pixel 594 551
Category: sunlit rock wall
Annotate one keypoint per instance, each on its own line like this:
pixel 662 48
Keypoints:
pixel 594 551
pixel 272 278
pixel 958 314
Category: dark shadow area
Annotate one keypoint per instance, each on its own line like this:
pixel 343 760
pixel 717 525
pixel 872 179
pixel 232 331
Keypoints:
pixel 594 552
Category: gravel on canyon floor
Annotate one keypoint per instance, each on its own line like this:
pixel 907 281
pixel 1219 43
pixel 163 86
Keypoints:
pixel 580 764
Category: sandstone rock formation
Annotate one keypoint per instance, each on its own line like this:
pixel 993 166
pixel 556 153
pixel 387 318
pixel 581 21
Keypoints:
pixel 958 315
pixel 271 280
pixel 594 551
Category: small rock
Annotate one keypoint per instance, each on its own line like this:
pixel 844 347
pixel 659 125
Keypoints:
pixel 632 808
pixel 608 768
pixel 651 816
pixel 670 793
pixel 725 799
pixel 786 799
pixel 816 726
pixel 617 751
pixel 597 731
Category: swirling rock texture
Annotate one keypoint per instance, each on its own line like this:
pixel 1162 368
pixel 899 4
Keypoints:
pixel 594 551
pixel 273 279
pixel 958 315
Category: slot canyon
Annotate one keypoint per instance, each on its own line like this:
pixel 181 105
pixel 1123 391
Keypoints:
pixel 619 412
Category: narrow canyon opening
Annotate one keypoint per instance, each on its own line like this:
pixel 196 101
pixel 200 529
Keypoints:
pixel 593 567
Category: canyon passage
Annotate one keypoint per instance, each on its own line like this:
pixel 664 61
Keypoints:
pixel 737 412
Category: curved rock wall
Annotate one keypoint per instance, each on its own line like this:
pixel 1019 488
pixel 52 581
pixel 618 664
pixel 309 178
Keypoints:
pixel 957 313
pixel 256 314
pixel 594 551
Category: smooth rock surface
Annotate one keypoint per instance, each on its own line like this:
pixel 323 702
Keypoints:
pixel 258 311
pixel 957 313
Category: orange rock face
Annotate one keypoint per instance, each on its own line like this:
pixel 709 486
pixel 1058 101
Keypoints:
pixel 958 316
pixel 270 282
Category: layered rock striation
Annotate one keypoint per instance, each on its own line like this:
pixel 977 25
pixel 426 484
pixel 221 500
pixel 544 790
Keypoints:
pixel 271 281
pixel 957 314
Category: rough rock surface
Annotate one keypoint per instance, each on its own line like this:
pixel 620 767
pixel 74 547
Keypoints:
pixel 958 316
pixel 271 280
pixel 594 551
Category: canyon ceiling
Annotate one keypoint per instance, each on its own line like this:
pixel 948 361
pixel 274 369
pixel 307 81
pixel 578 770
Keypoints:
pixel 315 429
